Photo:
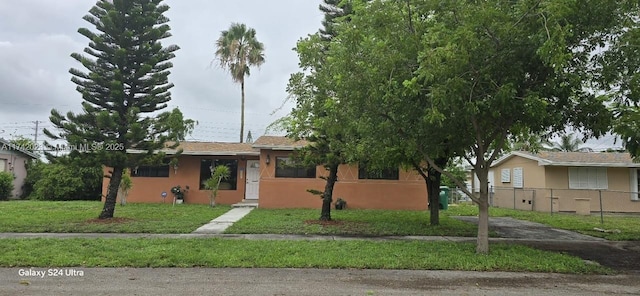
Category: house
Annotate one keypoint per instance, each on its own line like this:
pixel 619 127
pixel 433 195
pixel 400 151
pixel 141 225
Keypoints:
pixel 14 159
pixel 565 181
pixel 263 172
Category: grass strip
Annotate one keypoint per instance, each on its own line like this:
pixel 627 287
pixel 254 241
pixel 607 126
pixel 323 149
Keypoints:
pixel 80 217
pixel 284 254
pixel 350 222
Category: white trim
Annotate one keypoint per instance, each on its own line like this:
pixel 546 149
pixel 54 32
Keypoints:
pixel 541 161
pixel 633 183
pixel 546 162
pixel 491 178
pixel 596 164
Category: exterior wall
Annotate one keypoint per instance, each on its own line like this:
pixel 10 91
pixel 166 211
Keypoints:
pixel 14 162
pixel 616 198
pixel 533 176
pixel 407 193
pixel 149 189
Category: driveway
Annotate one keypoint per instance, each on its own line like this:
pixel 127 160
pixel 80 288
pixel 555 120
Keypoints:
pixel 507 227
pixel 622 256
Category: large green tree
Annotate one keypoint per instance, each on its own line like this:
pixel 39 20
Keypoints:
pixel 620 76
pixel 371 59
pixel 237 50
pixel 124 88
pixel 485 72
pixel 316 117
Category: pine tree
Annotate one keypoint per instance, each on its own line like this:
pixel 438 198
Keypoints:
pixel 124 87
pixel 332 10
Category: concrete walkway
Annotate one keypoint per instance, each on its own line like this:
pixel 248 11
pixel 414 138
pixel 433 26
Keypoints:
pixel 220 224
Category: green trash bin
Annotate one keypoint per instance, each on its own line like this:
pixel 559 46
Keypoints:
pixel 444 197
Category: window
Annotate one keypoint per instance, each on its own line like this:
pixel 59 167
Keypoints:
pixel 518 178
pixel 151 171
pixel 588 178
pixel 634 181
pixel 505 175
pixel 3 164
pixel 206 165
pixel 286 168
pixel 385 174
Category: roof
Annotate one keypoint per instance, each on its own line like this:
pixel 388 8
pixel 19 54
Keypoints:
pixel 575 159
pixel 208 148
pixel 278 143
pixel 7 145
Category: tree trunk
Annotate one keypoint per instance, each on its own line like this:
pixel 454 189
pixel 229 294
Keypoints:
pixel 242 112
pixel 483 211
pixel 327 195
pixel 112 193
pixel 482 246
pixel 433 188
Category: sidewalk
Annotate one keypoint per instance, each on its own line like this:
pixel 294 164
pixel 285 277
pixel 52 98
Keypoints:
pixel 220 224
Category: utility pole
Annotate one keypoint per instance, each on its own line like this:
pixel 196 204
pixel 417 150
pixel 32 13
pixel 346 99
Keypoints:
pixel 35 138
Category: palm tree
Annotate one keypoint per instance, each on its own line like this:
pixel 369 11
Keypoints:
pixel 237 50
pixel 569 143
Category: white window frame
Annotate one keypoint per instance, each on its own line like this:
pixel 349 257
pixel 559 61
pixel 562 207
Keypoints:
pixel 588 178
pixel 3 165
pixel 633 183
pixel 518 178
pixel 505 176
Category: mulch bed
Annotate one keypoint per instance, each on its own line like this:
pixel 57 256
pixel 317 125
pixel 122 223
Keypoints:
pixel 325 223
pixel 115 220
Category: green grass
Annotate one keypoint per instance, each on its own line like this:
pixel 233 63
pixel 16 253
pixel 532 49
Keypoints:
pixel 350 222
pixel 629 226
pixel 79 216
pixel 283 254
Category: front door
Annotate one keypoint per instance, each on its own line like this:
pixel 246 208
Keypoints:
pixel 253 179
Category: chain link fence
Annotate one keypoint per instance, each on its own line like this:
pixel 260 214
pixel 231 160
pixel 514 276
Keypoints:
pixel 580 201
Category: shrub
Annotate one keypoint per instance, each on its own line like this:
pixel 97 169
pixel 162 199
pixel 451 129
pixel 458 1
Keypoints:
pixel 34 173
pixel 58 182
pixel 6 185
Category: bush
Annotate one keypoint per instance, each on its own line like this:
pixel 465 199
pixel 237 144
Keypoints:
pixel 34 173
pixel 58 182
pixel 6 185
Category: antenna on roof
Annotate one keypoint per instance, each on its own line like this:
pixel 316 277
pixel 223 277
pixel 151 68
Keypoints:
pixel 249 138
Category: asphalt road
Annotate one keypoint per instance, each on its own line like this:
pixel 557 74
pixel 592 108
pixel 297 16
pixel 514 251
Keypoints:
pixel 280 282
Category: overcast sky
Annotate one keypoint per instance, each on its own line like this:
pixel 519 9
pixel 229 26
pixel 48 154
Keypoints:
pixel 38 36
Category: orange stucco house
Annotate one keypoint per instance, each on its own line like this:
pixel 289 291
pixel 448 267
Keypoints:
pixel 260 176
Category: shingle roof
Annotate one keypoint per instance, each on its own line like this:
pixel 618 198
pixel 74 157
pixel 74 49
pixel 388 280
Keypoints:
pixel 588 157
pixel 278 143
pixel 210 148
pixel 7 145
pixel 600 159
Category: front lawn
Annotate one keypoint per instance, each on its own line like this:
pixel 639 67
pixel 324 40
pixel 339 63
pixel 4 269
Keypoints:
pixel 350 222
pixel 283 254
pixel 629 226
pixel 80 216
